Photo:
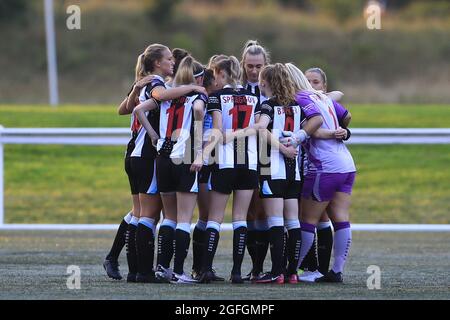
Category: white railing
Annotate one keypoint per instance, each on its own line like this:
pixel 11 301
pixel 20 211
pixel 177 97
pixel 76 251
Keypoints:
pixel 400 136
pixel 120 136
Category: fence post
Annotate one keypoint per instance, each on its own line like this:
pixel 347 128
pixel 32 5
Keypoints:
pixel 2 205
pixel 51 53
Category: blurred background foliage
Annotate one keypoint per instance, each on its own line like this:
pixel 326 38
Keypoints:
pixel 406 61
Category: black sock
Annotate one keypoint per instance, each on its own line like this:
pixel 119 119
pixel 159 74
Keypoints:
pixel 182 240
pixel 239 242
pixel 131 248
pixel 262 246
pixel 119 242
pixel 310 261
pixel 252 246
pixel 212 240
pixel 276 249
pixel 145 244
pixel 285 251
pixel 324 246
pixel 293 249
pixel 198 247
pixel 166 237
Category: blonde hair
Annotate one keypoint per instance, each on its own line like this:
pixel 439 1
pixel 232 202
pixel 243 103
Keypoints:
pixel 254 48
pixel 280 83
pixel 214 59
pixel 231 67
pixel 300 81
pixel 146 61
pixel 187 71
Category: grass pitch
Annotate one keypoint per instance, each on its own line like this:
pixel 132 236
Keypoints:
pixel 33 265
pixel 86 184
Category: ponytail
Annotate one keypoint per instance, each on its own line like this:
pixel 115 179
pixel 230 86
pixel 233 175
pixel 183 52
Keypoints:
pixel 145 64
pixel 188 70
pixel 140 69
pixel 235 70
pixel 231 67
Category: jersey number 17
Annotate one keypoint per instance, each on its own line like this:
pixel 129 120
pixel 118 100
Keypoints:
pixel 240 115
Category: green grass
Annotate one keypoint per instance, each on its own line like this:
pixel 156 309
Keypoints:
pixel 65 184
pixel 86 184
pixel 401 184
pixel 33 266
pixel 363 116
pixel 399 116
pixel 83 184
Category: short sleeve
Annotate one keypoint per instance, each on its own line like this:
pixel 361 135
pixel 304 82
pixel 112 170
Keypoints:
pixel 267 109
pixel 143 95
pixel 307 105
pixel 152 85
pixel 341 112
pixel 213 104
pixel 202 97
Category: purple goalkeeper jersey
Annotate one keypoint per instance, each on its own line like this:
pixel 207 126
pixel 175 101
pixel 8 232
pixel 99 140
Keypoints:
pixel 325 155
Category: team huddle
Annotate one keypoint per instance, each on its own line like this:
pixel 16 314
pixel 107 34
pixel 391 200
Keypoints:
pixel 268 134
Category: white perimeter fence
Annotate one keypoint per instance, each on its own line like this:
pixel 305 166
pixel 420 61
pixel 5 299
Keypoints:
pixel 120 136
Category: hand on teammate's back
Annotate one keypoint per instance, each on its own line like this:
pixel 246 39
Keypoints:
pixel 200 89
pixel 143 82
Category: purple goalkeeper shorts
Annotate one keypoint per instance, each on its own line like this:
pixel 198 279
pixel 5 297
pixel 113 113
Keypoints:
pixel 323 186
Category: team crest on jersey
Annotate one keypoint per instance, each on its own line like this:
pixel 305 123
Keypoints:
pixel 213 99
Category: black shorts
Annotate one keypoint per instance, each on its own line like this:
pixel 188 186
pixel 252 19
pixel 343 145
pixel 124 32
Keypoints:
pixel 227 180
pixel 143 171
pixel 175 177
pixel 205 173
pixel 131 178
pixel 286 189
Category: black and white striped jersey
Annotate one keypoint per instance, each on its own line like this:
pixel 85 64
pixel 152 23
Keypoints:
pixel 176 126
pixel 238 108
pixel 272 161
pixel 134 130
pixel 144 147
pixel 254 88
